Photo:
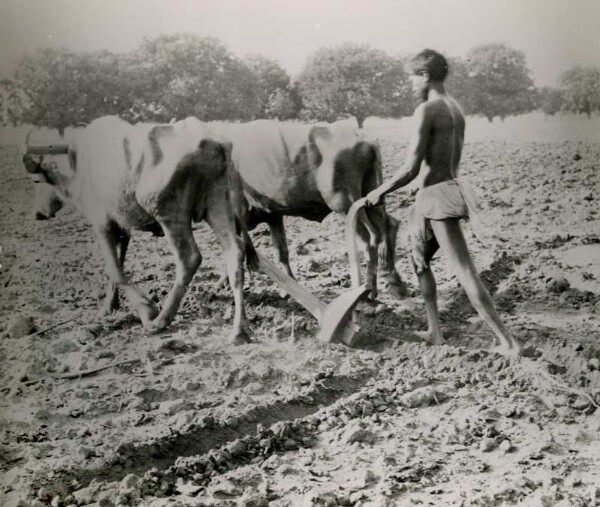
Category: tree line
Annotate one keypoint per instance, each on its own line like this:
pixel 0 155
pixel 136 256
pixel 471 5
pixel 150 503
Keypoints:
pixel 174 76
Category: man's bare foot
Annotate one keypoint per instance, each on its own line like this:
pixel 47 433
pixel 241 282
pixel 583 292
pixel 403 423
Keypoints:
pixel 239 337
pixel 431 338
pixel 157 325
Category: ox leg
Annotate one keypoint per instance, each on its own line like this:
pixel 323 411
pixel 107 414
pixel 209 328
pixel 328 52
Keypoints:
pixel 220 218
pixel 107 238
pixel 111 300
pixel 187 259
pixel 280 242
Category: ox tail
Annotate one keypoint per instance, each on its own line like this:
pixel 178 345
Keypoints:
pixel 386 225
pixel 239 207
pixel 387 248
pixel 383 249
pixel 377 165
pixel 249 251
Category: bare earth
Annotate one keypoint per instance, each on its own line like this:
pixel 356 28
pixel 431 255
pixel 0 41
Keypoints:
pixel 286 420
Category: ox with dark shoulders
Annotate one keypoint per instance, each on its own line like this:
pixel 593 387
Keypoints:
pixel 294 169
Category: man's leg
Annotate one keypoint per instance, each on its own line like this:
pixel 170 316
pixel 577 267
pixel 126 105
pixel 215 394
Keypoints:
pixel 452 242
pixel 428 290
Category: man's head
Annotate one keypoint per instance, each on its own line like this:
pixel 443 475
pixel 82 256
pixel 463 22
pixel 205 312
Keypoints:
pixel 426 67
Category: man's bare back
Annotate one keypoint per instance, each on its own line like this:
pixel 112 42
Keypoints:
pixel 442 155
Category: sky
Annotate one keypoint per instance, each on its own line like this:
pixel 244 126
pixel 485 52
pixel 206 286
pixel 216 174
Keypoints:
pixel 555 35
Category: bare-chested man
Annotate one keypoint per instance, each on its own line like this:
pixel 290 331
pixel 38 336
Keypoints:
pixel 442 199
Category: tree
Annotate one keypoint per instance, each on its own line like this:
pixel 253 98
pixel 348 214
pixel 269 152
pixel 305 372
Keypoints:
pixel 353 80
pixel 500 84
pixel 185 75
pixel 12 102
pixel 65 88
pixel 459 84
pixel 273 87
pixel 281 105
pixel 581 89
pixel 550 100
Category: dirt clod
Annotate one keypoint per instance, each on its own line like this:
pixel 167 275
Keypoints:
pixel 20 326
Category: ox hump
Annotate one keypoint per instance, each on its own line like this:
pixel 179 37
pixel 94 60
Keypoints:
pixel 330 140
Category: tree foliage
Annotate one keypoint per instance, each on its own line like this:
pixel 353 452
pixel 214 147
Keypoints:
pixel 12 102
pixel 65 88
pixel 499 83
pixel 353 80
pixel 275 95
pixel 172 76
pixel 550 100
pixel 186 75
pixel 581 89
pixel 175 76
pixel 458 82
pixel 283 105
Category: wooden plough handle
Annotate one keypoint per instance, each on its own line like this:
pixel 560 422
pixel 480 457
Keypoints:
pixel 308 300
pixel 351 221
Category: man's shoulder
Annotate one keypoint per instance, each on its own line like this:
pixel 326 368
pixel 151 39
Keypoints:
pixel 428 110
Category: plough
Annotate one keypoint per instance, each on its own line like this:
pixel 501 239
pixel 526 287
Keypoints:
pixel 337 319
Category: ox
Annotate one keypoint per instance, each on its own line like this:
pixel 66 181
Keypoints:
pixel 309 171
pixel 157 178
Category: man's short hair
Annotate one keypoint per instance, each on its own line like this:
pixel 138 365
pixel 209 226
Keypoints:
pixel 432 62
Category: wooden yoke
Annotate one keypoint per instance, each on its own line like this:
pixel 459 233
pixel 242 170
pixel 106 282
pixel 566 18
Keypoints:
pixel 48 149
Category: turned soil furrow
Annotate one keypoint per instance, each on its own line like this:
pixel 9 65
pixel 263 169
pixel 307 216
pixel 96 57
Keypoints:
pixel 200 439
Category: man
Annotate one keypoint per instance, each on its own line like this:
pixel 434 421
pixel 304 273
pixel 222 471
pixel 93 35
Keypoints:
pixel 442 199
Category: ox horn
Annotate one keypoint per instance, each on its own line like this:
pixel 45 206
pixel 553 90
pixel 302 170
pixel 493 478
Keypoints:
pixel 30 166
pixel 28 136
pixel 24 147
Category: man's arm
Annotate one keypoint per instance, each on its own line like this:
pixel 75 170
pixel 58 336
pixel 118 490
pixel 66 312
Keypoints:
pixel 416 154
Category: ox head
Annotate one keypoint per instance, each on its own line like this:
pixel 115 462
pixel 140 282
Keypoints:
pixel 45 174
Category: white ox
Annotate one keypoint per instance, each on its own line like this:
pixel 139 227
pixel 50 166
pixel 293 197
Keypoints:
pixel 309 171
pixel 149 177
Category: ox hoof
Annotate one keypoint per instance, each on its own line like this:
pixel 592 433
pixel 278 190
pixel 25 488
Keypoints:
pixel 395 286
pixel 105 310
pixel 148 313
pixel 157 325
pixel 239 338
